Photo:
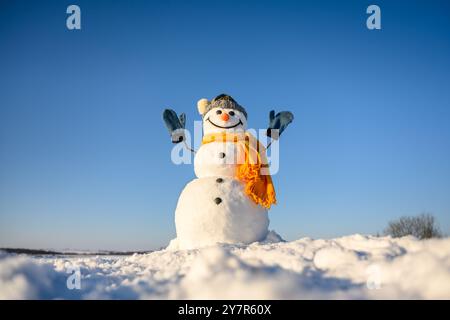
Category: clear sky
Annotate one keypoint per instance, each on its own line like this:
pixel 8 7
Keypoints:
pixel 85 157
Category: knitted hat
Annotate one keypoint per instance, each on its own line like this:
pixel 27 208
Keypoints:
pixel 221 101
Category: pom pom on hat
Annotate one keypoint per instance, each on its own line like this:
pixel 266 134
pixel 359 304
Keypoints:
pixel 201 105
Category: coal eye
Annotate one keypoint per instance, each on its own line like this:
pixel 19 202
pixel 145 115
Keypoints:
pixel 219 111
pixel 231 113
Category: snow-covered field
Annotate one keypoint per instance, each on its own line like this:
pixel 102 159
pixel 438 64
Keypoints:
pixel 351 267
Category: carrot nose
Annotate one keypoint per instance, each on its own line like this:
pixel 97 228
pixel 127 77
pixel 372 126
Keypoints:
pixel 225 116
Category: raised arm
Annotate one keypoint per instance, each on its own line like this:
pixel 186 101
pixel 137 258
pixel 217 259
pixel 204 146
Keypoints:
pixel 278 122
pixel 175 125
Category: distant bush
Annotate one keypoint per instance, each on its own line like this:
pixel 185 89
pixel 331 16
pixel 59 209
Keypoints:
pixel 423 226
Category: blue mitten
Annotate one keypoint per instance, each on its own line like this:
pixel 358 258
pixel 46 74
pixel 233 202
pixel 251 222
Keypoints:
pixel 278 122
pixel 175 125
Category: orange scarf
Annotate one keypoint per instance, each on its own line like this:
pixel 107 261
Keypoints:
pixel 258 187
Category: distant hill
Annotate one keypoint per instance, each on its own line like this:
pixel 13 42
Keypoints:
pixel 70 253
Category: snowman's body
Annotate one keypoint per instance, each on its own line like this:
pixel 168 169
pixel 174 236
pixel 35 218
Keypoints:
pixel 214 208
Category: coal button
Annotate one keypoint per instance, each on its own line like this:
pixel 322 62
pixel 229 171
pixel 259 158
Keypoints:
pixel 219 180
pixel 217 200
pixel 222 155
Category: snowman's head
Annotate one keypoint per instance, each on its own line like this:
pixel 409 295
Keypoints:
pixel 222 114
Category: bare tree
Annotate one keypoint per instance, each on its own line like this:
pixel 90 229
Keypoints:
pixel 423 226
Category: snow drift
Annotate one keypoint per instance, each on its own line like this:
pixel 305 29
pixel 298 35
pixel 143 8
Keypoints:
pixel 351 267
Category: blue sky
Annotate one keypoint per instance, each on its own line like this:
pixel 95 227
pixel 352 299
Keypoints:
pixel 85 158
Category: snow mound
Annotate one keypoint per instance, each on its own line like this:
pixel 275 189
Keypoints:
pixel 351 267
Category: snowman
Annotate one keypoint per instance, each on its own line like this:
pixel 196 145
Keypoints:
pixel 229 201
